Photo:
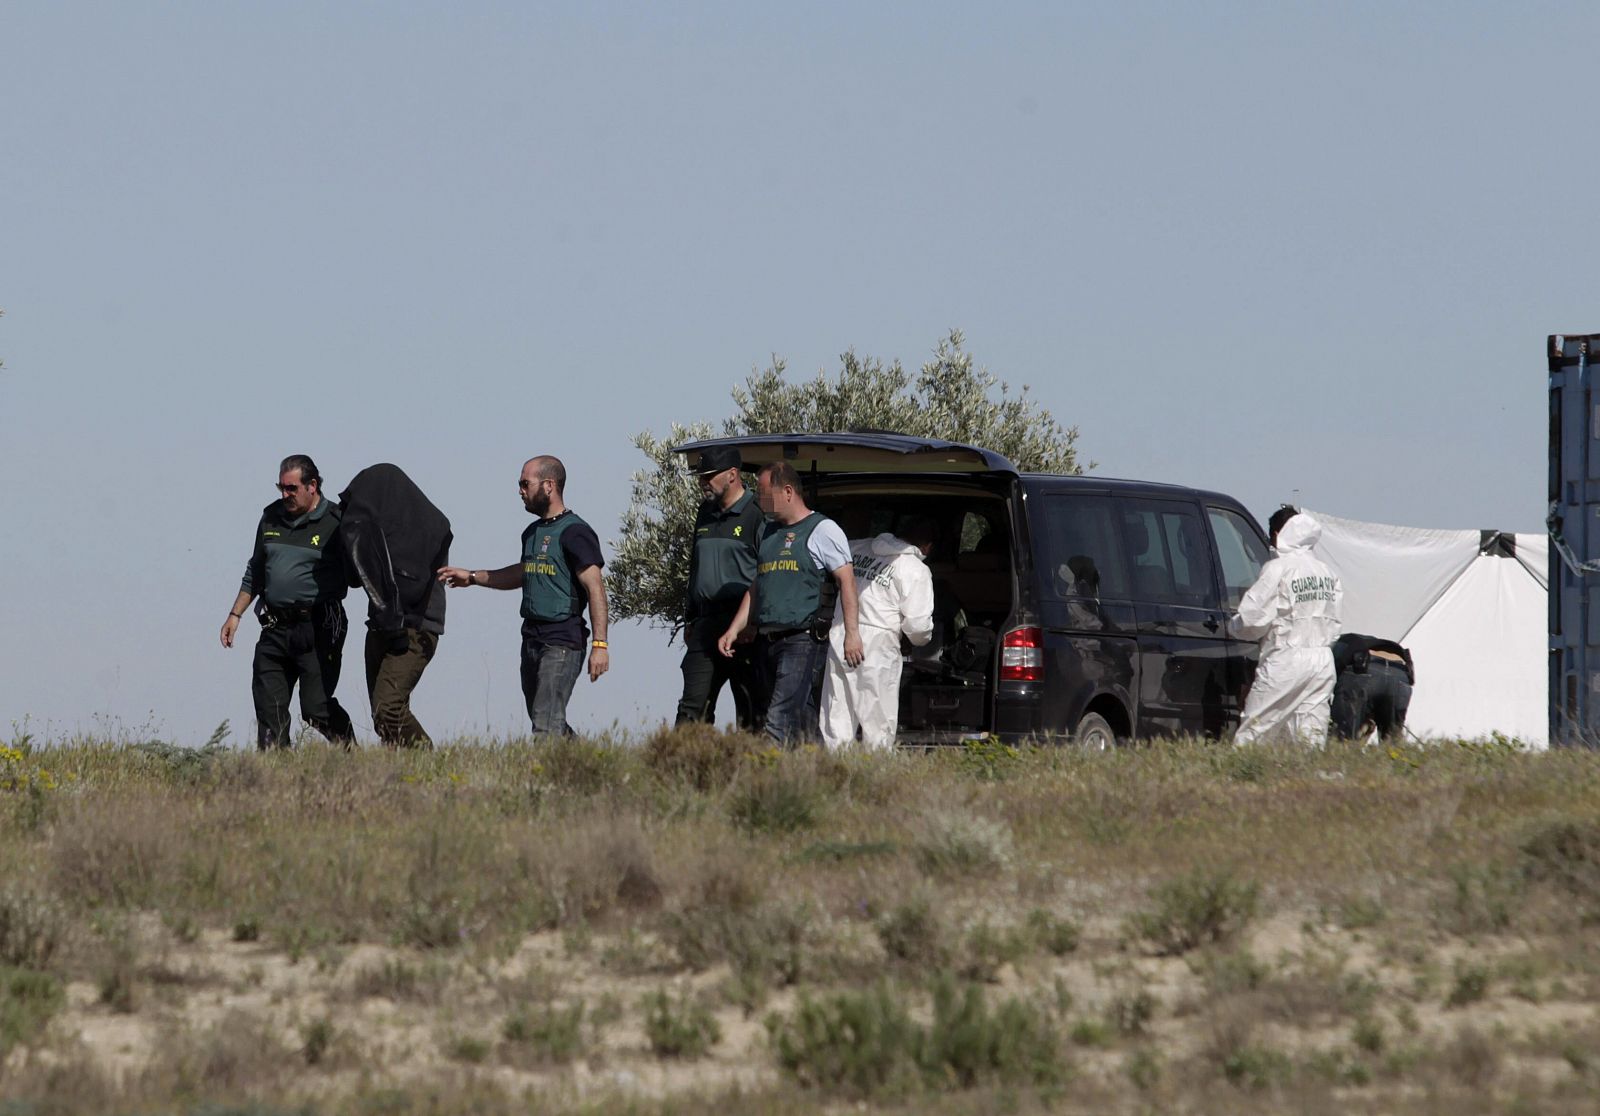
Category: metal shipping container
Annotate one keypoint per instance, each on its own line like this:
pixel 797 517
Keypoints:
pixel 1574 523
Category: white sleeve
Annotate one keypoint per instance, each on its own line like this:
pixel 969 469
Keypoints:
pixel 828 547
pixel 1259 607
pixel 916 602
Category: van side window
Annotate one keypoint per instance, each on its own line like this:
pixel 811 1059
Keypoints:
pixel 1239 550
pixel 1082 547
pixel 977 534
pixel 1170 553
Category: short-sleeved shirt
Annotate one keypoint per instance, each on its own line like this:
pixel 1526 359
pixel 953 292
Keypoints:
pixel 828 547
pixel 580 546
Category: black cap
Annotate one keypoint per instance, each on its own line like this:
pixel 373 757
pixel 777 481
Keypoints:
pixel 714 459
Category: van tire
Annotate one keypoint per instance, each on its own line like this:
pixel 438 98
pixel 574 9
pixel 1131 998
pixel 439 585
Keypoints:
pixel 1094 734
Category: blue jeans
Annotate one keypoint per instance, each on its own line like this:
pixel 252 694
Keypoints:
pixel 793 669
pixel 548 675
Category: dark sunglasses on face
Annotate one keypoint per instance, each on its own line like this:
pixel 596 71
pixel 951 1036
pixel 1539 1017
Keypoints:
pixel 291 489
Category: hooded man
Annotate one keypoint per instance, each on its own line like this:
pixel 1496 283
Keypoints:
pixel 1293 609
pixel 396 540
pixel 894 595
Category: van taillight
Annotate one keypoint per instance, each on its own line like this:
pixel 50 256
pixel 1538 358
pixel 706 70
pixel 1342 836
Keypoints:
pixel 1022 655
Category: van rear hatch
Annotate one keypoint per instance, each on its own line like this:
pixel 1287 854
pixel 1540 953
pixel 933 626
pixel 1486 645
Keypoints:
pixel 854 452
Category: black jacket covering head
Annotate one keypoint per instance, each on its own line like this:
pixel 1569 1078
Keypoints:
pixel 396 540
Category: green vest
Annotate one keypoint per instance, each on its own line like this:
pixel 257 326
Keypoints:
pixel 788 583
pixel 548 589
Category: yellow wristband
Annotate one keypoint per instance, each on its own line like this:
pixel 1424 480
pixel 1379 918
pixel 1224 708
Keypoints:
pixel 600 643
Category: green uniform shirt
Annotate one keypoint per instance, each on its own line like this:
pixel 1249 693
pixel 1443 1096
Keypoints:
pixel 297 561
pixel 549 589
pixel 788 583
pixel 723 561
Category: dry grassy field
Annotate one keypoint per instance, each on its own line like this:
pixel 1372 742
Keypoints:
pixel 692 922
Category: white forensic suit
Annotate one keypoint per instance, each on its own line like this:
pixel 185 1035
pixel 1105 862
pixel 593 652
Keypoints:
pixel 894 591
pixel 1293 609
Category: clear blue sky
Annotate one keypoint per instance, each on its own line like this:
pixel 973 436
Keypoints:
pixel 1266 248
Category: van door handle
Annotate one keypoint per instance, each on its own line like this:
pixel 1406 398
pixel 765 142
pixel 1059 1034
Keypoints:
pixel 1211 624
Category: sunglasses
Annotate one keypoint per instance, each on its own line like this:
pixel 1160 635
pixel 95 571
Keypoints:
pixel 291 489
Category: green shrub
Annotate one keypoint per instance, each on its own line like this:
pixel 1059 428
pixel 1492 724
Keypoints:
pixel 1057 936
pixel 765 944
pixel 317 1037
pixel 1360 912
pixel 955 842
pixel 1239 971
pixel 574 765
pixel 866 1044
pixel 1090 1032
pixel 1143 1068
pixel 393 980
pixel 987 950
pixel 989 758
pixel 968 1044
pixel 679 1028
pixel 468 1048
pixel 1196 910
pixel 1256 1067
pixel 1243 765
pixel 776 798
pixel 1471 985
pixel 32 929
pixel 1481 899
pixel 551 1034
pixel 912 933
pixel 432 923
pixel 1565 852
pixel 862 1044
pixel 1131 1014
pixel 28 999
pixel 700 755
pixel 1368 1034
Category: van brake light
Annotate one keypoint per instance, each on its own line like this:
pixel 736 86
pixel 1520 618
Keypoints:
pixel 1022 655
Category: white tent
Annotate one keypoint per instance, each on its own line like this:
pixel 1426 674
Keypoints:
pixel 1471 608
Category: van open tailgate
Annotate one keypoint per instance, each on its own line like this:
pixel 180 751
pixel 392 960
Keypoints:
pixel 855 453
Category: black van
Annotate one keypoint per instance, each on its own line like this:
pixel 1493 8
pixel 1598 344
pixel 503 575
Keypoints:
pixel 1075 607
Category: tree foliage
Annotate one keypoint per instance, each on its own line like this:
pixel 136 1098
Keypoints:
pixel 950 397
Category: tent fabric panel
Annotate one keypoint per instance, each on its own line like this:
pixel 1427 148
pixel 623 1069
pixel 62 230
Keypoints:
pixel 1392 574
pixel 1481 658
pixel 1533 552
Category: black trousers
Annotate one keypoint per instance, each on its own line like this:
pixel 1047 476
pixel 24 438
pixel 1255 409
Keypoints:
pixel 1381 694
pixel 706 670
pixel 301 647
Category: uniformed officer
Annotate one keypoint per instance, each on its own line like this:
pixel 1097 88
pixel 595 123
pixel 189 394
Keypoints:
pixel 559 574
pixel 297 571
pixel 799 551
pixel 722 564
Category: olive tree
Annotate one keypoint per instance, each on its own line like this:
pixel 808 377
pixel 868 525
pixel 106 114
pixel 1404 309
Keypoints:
pixel 950 398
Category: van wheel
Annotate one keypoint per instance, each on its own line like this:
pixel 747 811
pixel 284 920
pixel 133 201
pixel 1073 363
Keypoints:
pixel 1094 734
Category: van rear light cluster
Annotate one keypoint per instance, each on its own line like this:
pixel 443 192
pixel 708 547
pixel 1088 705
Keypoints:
pixel 1022 655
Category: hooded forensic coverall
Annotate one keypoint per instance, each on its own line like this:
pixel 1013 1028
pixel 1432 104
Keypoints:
pixel 894 593
pixel 1293 609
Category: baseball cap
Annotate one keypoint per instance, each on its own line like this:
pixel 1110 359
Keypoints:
pixel 714 459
